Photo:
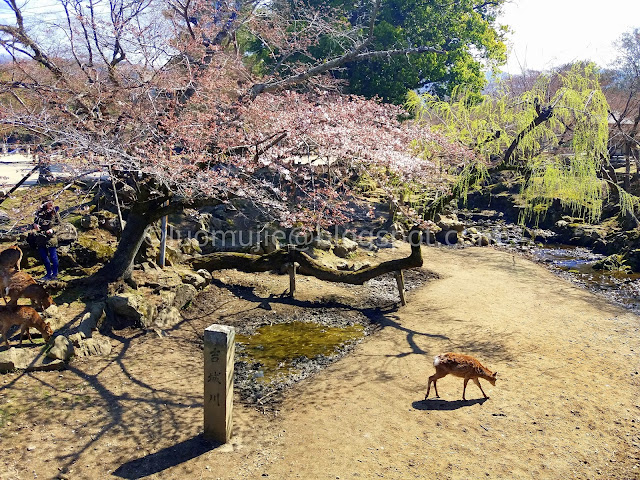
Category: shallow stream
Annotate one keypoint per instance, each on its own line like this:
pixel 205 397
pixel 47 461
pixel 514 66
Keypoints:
pixel 576 263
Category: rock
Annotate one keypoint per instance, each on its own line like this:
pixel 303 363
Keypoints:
pixel 154 277
pixel 270 244
pixel 130 309
pixel 472 231
pixel 482 240
pixel 167 318
pixel 183 295
pixel 447 237
pixel 398 231
pixel 89 221
pixel 449 222
pixel 342 266
pixel 96 345
pixel 205 274
pixel 4 217
pixel 93 318
pixel 359 266
pixel 173 256
pixel 88 251
pixel 62 348
pixel 28 359
pixel 66 234
pixel 384 242
pixel 321 244
pixel 190 246
pixel 345 247
pixel 194 279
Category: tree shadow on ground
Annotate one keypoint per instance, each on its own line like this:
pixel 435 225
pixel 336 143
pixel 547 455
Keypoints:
pixel 165 458
pixel 439 404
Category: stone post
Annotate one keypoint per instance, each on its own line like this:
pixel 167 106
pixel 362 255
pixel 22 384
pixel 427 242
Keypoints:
pixel 219 352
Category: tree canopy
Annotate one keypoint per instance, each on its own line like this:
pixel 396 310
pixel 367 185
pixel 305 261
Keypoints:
pixel 554 134
pixel 467 30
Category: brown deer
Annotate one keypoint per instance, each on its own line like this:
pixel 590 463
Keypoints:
pixel 12 284
pixel 10 258
pixel 460 365
pixel 26 318
pixel 40 298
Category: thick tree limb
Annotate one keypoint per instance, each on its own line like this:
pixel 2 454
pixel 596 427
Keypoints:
pixel 308 266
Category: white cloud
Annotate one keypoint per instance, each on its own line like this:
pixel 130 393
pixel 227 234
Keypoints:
pixel 548 33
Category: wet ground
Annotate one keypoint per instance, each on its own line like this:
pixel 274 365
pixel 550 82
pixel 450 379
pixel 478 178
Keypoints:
pixel 576 264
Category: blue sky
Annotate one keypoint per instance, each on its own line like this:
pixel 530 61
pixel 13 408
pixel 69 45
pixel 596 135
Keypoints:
pixel 548 33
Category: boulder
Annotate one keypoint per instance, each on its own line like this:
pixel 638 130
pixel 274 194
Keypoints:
pixel 345 247
pixel 270 244
pixel 62 348
pixel 183 295
pixel 89 222
pixel 194 279
pixel 447 237
pixel 28 359
pixel 129 309
pixel 96 345
pixel 190 246
pixel 167 318
pixel 205 274
pixel 321 244
pixel 449 222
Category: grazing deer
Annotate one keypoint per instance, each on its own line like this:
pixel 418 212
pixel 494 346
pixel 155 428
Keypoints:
pixel 460 365
pixel 10 258
pixel 26 318
pixel 40 298
pixel 13 284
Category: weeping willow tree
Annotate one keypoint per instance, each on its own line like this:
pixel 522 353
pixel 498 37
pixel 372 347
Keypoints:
pixel 554 134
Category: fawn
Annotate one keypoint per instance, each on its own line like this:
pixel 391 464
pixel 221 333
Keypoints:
pixel 11 257
pixel 460 365
pixel 26 318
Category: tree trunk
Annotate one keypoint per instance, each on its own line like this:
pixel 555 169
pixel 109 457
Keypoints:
pixel 121 265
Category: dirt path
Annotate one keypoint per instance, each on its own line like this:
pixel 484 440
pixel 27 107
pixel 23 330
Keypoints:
pixel 565 406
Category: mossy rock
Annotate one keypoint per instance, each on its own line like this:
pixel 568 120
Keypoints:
pixel 88 252
pixel 613 263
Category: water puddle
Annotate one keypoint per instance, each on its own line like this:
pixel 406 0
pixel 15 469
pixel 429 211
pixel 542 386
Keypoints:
pixel 278 349
pixel 577 262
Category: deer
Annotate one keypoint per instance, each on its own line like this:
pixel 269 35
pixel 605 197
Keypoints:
pixel 11 257
pixel 464 366
pixel 26 318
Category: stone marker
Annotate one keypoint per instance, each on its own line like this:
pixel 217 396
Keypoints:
pixel 219 352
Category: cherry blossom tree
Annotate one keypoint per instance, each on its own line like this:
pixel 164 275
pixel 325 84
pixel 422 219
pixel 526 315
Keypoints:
pixel 167 95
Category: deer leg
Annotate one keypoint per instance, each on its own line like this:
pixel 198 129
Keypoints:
pixel 480 387
pixel 464 388
pixel 434 378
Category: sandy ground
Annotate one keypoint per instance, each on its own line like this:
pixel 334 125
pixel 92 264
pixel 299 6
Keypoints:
pixel 565 406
